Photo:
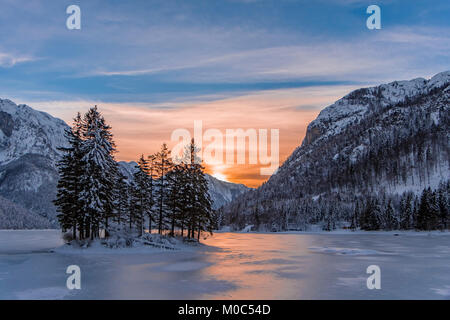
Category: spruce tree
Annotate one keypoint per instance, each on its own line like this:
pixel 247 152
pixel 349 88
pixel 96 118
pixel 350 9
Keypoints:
pixel 177 197
pixel 406 211
pixel 428 211
pixel 122 202
pixel 142 201
pixel 152 176
pixel 163 165
pixel 443 205
pixel 200 206
pixel 70 167
pixel 100 174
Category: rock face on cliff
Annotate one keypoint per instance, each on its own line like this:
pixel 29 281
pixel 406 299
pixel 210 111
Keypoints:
pixel 29 142
pixel 386 139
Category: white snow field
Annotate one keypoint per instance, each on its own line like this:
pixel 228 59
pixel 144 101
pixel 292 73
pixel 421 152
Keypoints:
pixel 233 266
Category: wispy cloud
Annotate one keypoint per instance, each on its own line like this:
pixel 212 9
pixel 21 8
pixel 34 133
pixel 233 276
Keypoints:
pixel 370 58
pixel 8 60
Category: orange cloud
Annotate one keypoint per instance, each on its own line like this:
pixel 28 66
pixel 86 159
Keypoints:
pixel 142 128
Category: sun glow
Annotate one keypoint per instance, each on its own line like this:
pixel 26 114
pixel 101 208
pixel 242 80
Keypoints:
pixel 219 176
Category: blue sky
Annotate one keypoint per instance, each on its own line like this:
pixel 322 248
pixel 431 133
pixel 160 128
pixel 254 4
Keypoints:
pixel 157 51
pixel 156 66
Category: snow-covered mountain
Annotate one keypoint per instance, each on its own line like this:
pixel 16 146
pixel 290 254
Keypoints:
pixel 375 141
pixel 29 142
pixel 360 103
pixel 24 130
pixel 221 192
pixel 13 216
pixel 369 119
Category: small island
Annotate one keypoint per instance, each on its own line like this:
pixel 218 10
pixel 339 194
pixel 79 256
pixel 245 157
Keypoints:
pixel 163 203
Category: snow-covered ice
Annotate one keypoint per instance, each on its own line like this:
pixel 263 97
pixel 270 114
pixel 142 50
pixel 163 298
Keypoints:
pixel 233 266
pixel 348 251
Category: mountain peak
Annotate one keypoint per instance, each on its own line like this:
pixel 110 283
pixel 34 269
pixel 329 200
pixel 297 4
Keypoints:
pixel 370 148
pixel 24 130
pixel 439 79
pixel 355 105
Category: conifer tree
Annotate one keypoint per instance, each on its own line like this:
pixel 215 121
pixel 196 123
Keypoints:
pixel 406 211
pixel 428 211
pixel 200 205
pixel 122 202
pixel 177 197
pixel 443 204
pixel 163 165
pixel 152 176
pixel 70 167
pixel 142 201
pixel 100 174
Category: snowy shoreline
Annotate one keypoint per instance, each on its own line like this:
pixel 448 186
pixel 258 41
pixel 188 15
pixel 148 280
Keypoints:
pixel 349 232
pixel 335 232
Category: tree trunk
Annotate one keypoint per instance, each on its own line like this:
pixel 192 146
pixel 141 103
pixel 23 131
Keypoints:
pixel 149 224
pixel 172 228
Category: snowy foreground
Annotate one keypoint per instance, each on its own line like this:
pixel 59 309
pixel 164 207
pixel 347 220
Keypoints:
pixel 231 266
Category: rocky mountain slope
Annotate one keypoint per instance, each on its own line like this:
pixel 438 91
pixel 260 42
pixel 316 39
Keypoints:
pixel 223 192
pixel 381 140
pixel 28 152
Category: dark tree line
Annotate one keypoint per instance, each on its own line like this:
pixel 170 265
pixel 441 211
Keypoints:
pixel 408 211
pixel 429 211
pixel 95 199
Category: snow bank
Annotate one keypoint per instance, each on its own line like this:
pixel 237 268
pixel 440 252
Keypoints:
pixel 128 243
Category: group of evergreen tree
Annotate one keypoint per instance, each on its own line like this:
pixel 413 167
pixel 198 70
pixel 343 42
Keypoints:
pixel 430 211
pixel 94 198
pixel 379 211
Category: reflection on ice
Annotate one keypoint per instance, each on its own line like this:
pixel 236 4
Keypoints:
pixel 233 266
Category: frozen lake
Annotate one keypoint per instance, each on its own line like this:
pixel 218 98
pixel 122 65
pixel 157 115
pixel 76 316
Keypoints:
pixel 234 266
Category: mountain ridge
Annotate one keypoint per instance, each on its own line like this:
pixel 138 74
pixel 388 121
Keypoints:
pixel 378 141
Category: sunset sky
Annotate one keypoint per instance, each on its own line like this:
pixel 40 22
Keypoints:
pixel 156 66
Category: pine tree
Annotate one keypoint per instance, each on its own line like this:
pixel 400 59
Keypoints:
pixel 152 175
pixel 443 205
pixel 390 220
pixel 163 165
pixel 370 218
pixel 428 211
pixel 122 200
pixel 200 206
pixel 177 197
pixel 142 201
pixel 100 174
pixel 70 167
pixel 406 211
